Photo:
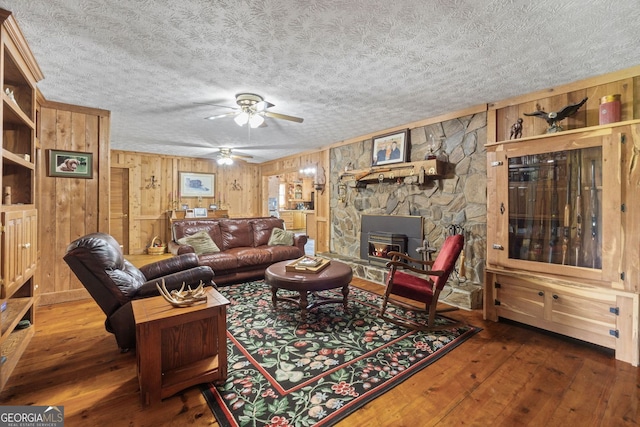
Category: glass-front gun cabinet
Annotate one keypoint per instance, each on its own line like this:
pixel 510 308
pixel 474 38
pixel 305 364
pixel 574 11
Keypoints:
pixel 563 234
pixel 554 210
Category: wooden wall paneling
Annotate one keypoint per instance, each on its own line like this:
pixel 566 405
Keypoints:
pixel 48 201
pixel 623 87
pixel 150 223
pixel 149 166
pixel 92 195
pixel 505 118
pixel 322 207
pixel 166 183
pixel 636 98
pixel 61 237
pixel 241 193
pixel 69 207
pixel 135 243
pixel 150 219
pixel 81 200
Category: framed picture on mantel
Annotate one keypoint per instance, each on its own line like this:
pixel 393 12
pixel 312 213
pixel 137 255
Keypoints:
pixel 390 148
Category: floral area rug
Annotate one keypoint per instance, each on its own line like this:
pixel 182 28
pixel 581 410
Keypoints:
pixel 284 371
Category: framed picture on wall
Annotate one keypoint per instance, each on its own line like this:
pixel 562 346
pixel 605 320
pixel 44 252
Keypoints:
pixel 194 184
pixel 70 164
pixel 390 148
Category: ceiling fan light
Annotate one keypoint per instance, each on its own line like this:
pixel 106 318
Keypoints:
pixel 260 106
pixel 256 120
pixel 242 118
pixel 225 161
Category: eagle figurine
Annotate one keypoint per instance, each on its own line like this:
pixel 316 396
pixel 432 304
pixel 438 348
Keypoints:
pixel 554 117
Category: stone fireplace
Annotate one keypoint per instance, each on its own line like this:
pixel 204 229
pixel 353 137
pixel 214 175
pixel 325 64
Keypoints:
pixel 456 197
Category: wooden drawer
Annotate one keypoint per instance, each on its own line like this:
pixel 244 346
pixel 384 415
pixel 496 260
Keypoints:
pixel 518 297
pixel 598 315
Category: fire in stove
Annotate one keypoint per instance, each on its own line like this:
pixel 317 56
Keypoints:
pixel 381 243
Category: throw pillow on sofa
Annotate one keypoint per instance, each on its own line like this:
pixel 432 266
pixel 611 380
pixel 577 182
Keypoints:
pixel 201 243
pixel 280 237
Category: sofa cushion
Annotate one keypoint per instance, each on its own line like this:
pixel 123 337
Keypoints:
pixel 283 253
pixel 236 233
pixel 184 228
pixel 220 262
pixel 280 237
pixel 251 256
pixel 201 243
pixel 262 229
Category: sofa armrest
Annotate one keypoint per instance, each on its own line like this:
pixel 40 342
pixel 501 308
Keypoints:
pixel 300 240
pixel 177 249
pixel 169 266
pixel 191 277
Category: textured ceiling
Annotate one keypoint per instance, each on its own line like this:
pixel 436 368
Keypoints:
pixel 347 67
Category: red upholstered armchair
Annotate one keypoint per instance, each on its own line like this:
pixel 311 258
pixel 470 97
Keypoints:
pixel 424 281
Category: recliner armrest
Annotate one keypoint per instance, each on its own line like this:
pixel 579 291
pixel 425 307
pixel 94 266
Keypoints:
pixel 191 277
pixel 169 266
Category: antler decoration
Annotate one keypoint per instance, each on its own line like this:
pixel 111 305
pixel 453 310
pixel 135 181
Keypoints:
pixel 183 298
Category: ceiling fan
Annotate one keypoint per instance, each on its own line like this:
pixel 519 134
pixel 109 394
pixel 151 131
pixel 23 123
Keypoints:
pixel 252 109
pixel 225 157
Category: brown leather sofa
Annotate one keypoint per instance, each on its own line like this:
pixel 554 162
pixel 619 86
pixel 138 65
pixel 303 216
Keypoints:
pixel 244 252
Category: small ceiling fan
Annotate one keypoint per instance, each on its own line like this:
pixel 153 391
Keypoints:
pixel 252 109
pixel 225 157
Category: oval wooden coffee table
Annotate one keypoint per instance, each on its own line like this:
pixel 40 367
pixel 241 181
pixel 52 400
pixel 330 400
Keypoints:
pixel 336 275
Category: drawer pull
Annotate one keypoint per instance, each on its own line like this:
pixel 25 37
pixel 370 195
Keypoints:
pixel 555 296
pixel 541 294
pixel 498 246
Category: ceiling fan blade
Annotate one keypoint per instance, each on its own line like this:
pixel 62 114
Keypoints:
pixel 219 116
pixel 283 117
pixel 215 105
pixel 242 156
pixel 262 106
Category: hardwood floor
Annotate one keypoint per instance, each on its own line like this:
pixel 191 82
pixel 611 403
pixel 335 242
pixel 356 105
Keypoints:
pixel 506 375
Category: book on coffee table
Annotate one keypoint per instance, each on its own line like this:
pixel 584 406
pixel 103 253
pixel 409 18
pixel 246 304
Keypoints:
pixel 309 261
pixel 307 264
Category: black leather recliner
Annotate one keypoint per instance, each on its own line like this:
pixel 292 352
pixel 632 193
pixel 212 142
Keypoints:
pixel 113 282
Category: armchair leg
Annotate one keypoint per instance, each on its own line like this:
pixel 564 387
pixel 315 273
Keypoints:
pixel 384 306
pixel 430 311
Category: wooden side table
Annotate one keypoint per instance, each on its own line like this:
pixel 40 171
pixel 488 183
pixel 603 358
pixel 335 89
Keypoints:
pixel 179 347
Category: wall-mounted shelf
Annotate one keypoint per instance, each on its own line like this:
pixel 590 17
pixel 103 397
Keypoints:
pixel 421 170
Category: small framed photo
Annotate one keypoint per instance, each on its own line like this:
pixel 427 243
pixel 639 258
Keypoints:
pixel 70 164
pixel 390 148
pixel 200 212
pixel 194 184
